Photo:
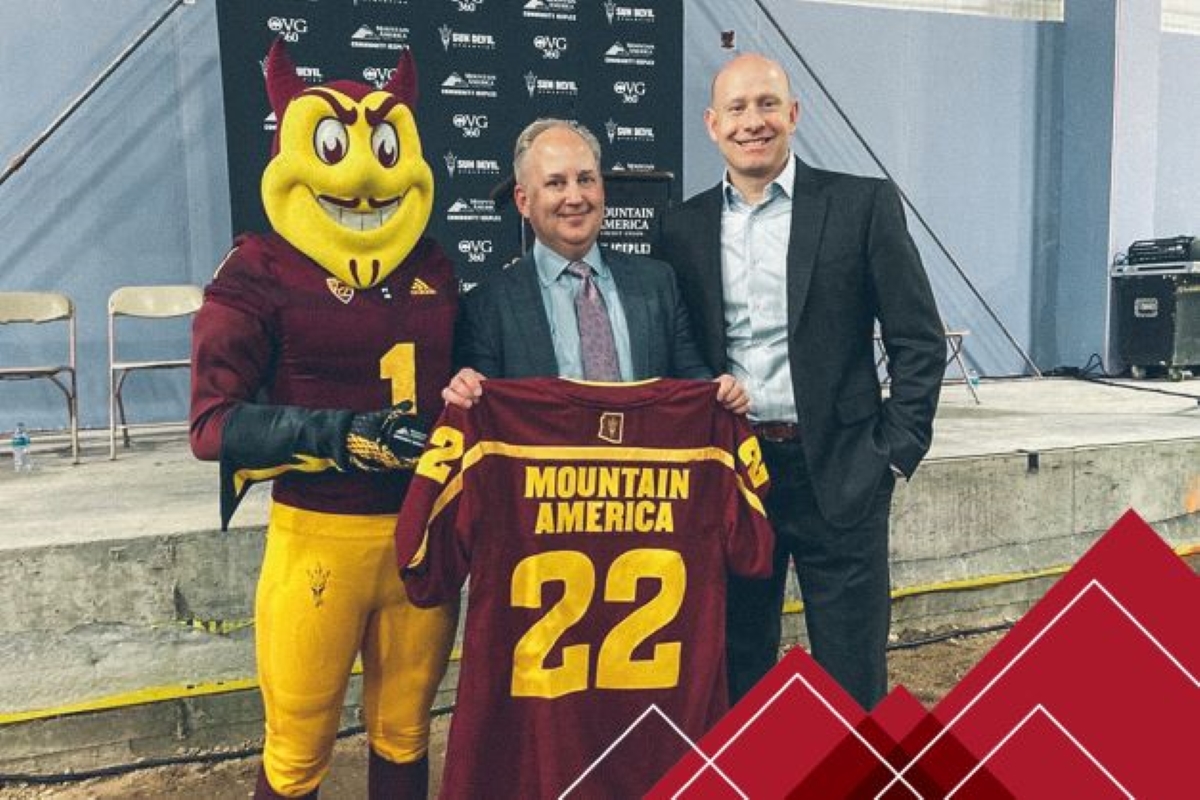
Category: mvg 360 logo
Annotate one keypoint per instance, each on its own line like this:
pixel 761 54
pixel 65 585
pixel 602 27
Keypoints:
pixel 552 47
pixel 471 126
pixel 630 91
pixel 476 250
pixel 290 29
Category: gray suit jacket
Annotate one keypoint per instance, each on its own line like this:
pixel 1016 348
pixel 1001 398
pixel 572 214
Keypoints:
pixel 850 263
pixel 503 330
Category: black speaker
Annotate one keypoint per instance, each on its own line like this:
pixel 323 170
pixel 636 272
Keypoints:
pixel 1158 321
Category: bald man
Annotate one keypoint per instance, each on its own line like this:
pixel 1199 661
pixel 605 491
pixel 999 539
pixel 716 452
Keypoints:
pixel 785 270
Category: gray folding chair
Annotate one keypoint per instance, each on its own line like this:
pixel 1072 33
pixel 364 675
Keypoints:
pixel 144 302
pixel 38 308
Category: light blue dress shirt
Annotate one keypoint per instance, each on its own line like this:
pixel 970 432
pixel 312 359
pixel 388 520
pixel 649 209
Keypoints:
pixel 559 288
pixel 754 246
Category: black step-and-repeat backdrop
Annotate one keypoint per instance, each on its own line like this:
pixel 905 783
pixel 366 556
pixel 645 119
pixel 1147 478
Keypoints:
pixel 487 68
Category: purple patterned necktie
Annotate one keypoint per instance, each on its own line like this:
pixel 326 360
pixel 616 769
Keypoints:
pixel 596 343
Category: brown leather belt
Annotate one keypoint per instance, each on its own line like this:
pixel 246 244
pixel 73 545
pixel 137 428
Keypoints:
pixel 777 431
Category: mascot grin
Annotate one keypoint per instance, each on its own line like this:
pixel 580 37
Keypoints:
pixel 347 185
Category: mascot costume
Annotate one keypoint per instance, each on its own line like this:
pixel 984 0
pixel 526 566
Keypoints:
pixel 317 361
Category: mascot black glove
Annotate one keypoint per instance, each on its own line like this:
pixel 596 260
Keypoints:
pixel 390 439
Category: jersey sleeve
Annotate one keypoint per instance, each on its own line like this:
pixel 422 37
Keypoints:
pixel 432 551
pixel 232 355
pixel 750 540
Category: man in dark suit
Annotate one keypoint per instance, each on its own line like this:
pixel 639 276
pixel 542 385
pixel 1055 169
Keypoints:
pixel 786 270
pixel 522 322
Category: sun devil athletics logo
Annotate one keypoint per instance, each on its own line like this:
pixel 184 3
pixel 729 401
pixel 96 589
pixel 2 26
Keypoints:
pixel 619 13
pixel 470 166
pixel 550 86
pixel 465 41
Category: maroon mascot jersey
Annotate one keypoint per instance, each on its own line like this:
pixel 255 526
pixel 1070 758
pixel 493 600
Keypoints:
pixel 275 322
pixel 598 524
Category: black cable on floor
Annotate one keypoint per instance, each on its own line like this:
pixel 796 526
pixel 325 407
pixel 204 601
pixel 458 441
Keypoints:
pixel 962 633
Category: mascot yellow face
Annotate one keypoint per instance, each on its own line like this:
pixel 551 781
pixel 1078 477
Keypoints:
pixel 347 185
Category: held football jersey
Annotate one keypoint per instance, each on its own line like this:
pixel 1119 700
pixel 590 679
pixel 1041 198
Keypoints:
pixel 598 524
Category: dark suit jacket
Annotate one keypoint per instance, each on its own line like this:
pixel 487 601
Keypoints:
pixel 504 332
pixel 850 262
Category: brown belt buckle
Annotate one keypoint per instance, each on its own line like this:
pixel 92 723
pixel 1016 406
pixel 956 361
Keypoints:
pixel 777 432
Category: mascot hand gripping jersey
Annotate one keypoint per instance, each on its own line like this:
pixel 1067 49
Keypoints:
pixel 318 357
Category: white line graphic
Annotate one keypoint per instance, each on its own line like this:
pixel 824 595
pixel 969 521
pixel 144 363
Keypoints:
pixel 1039 709
pixel 899 775
pixel 653 708
pixel 1092 584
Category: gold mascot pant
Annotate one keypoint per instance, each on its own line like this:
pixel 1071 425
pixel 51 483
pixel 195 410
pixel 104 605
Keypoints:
pixel 329 590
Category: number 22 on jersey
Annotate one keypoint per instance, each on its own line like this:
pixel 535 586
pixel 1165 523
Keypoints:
pixel 616 668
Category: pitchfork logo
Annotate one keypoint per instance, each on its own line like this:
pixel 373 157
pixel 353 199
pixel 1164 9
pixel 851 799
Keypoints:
pixel 445 32
pixel 530 82
pixel 611 128
pixel 610 8
pixel 451 162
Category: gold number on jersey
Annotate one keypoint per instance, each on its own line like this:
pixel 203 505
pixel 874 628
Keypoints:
pixel 574 570
pixel 616 668
pixel 750 453
pixel 445 444
pixel 399 365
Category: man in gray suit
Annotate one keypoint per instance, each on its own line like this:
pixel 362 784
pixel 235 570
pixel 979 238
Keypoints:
pixel 786 270
pixel 522 322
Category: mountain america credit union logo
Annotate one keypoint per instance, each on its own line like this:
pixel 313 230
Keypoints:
pixel 558 10
pixel 380 37
pixel 630 54
pixel 469 84
pixel 472 210
pixel 550 86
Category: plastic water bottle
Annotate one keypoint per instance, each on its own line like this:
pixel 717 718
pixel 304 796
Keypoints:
pixel 973 378
pixel 22 461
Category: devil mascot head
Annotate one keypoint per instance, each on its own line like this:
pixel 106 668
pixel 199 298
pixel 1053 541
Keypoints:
pixel 318 359
pixel 347 184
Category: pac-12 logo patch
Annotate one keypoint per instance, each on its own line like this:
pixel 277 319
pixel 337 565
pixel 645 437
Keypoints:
pixel 341 291
pixel 612 427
